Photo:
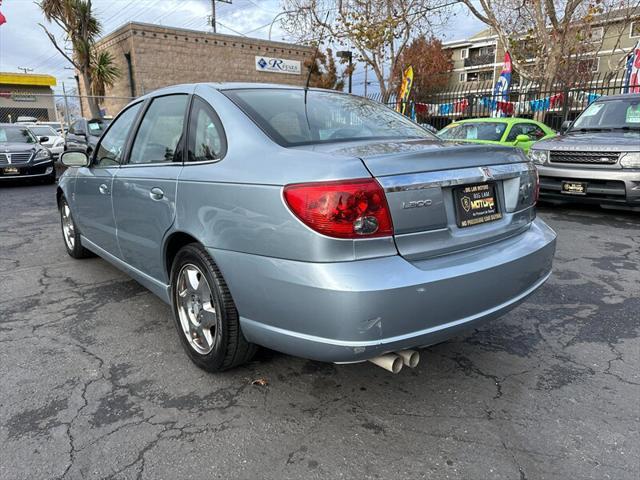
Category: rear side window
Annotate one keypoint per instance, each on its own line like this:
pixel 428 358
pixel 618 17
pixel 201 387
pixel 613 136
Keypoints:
pixel 159 137
pixel 207 141
pixel 490 131
pixel 111 148
pixel 531 129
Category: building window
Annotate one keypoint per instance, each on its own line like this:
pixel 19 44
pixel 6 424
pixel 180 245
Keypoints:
pixel 634 31
pixel 596 35
pixel 462 77
pixel 464 53
pixel 483 76
pixel 588 65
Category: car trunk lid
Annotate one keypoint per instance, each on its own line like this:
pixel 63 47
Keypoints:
pixel 425 182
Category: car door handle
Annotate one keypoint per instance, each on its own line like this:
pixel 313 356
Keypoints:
pixel 104 190
pixel 156 193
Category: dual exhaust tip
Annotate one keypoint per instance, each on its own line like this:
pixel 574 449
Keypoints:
pixel 393 362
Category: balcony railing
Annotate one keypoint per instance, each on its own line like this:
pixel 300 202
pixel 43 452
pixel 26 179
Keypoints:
pixel 477 60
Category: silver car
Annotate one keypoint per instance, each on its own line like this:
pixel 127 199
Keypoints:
pixel 312 222
pixel 597 159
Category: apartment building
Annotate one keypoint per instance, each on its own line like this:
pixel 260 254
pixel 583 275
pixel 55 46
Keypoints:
pixel 478 59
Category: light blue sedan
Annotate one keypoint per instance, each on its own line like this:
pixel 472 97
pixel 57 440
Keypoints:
pixel 312 222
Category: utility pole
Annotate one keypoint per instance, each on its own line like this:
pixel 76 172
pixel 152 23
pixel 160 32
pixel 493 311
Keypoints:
pixel 365 80
pixel 25 70
pixel 66 106
pixel 346 54
pixel 212 18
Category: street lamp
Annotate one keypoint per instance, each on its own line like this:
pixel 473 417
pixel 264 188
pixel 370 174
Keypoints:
pixel 348 55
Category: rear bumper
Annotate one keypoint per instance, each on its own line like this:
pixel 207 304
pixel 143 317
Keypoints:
pixel 604 186
pixel 353 311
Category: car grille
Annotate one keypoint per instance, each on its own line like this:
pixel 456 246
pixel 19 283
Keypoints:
pixel 15 158
pixel 600 158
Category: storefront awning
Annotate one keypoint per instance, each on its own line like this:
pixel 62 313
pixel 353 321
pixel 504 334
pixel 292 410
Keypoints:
pixel 27 79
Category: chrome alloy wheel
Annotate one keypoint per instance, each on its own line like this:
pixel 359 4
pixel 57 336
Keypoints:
pixel 196 309
pixel 68 230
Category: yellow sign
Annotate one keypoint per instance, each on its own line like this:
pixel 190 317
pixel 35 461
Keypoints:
pixel 405 90
pixel 30 79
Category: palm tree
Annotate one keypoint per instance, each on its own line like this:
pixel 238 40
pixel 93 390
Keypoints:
pixel 96 69
pixel 104 73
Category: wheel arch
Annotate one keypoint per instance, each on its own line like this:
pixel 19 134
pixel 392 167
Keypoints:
pixel 59 195
pixel 174 242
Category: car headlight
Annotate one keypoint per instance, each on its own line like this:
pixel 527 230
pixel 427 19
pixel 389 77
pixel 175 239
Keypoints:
pixel 630 160
pixel 42 155
pixel 539 157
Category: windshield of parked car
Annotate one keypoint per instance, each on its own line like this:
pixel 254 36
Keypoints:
pixel 43 131
pixel 11 134
pixel 621 114
pixel 97 127
pixel 491 131
pixel 327 116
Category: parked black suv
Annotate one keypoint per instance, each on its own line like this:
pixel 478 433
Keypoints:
pixel 84 134
pixel 22 156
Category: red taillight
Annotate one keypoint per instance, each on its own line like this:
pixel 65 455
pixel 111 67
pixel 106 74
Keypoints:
pixel 344 209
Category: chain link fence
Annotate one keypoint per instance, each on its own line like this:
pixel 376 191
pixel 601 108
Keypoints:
pixel 62 109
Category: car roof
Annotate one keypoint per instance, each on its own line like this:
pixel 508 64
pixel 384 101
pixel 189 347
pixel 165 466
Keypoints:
pixel 622 96
pixel 221 86
pixel 495 120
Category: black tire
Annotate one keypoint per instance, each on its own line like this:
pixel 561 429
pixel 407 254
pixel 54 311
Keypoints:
pixel 51 179
pixel 75 249
pixel 230 347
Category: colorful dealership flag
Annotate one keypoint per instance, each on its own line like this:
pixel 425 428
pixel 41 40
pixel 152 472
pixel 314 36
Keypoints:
pixel 2 17
pixel 501 90
pixel 632 72
pixel 405 90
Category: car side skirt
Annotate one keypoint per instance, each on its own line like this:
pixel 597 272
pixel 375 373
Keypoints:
pixel 158 288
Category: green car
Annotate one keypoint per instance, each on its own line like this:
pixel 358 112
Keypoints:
pixel 515 132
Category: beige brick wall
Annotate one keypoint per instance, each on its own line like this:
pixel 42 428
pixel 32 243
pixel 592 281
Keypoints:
pixel 162 56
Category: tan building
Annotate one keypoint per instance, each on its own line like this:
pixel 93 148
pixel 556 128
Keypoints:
pixel 478 59
pixel 26 95
pixel 153 56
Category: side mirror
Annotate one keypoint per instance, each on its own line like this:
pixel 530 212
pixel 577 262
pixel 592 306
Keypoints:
pixel 523 138
pixel 566 125
pixel 74 159
pixel 43 139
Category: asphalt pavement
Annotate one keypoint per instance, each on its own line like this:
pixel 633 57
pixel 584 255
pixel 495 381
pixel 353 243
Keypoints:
pixel 94 382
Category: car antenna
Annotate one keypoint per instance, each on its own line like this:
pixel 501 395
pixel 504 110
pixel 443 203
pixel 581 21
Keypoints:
pixel 311 65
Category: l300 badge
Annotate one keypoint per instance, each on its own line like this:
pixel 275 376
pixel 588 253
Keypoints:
pixel 417 203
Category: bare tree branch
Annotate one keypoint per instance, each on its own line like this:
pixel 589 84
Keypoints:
pixel 57 47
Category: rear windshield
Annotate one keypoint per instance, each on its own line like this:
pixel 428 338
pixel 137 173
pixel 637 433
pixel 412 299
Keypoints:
pixel 11 134
pixel 491 131
pixel 610 114
pixel 43 131
pixel 328 116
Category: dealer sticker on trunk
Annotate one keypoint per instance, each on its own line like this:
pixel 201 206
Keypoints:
pixel 476 204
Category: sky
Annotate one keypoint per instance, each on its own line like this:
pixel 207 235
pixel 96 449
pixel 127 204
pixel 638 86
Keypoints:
pixel 23 43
